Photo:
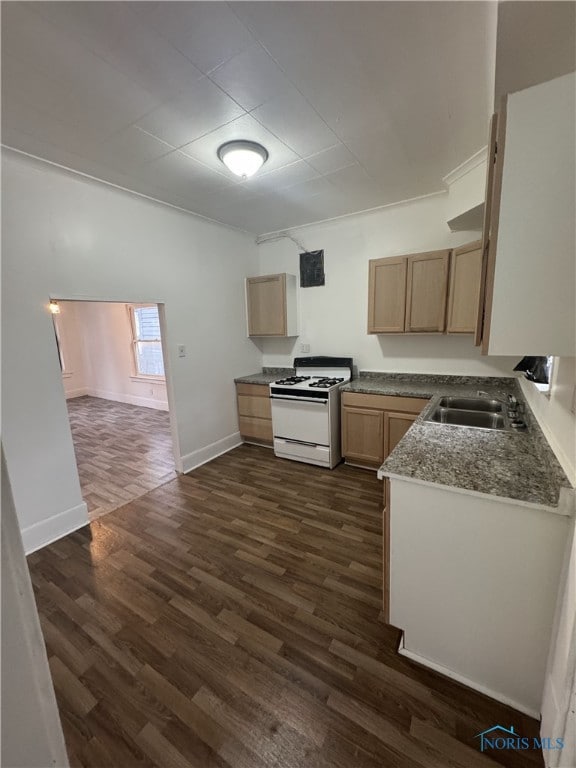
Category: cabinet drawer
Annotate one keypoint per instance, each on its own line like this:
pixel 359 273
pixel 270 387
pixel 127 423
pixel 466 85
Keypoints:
pixel 249 405
pixel 384 402
pixel 252 428
pixel 256 390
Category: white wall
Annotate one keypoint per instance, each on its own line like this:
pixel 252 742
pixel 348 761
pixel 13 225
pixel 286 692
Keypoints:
pixel 69 237
pixel 467 184
pixel 74 378
pixel 31 731
pixel 556 412
pixel 536 42
pixel 333 318
pixel 558 710
pixel 103 332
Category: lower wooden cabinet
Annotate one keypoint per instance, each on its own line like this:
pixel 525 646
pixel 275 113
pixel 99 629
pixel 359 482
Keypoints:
pixel 363 435
pixel 254 413
pixel 372 426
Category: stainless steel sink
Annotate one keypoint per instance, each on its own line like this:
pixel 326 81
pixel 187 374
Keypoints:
pixel 471 404
pixel 462 418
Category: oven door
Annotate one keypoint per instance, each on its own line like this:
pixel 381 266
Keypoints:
pixel 303 421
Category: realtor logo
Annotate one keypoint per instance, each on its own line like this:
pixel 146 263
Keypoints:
pixel 500 737
pixel 489 738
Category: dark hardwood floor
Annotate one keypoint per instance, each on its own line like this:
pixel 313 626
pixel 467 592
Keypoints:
pixel 122 451
pixel 232 618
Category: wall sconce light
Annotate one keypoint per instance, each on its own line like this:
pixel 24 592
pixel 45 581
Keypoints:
pixel 54 307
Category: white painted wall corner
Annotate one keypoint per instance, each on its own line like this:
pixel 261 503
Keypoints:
pixel 46 531
pixel 203 455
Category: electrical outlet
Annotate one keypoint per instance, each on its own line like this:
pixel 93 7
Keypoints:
pixel 304 348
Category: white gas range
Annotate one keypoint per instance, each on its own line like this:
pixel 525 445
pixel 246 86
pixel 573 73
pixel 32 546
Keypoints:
pixel 306 410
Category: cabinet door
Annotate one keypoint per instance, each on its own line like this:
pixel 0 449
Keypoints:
pixel 363 435
pixel 266 305
pixel 395 427
pixel 464 291
pixel 530 306
pixel 387 295
pixel 426 293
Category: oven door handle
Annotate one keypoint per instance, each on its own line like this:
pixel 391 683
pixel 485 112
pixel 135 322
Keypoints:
pixel 301 442
pixel 299 400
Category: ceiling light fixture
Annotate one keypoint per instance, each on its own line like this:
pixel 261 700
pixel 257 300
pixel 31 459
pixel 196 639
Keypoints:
pixel 243 158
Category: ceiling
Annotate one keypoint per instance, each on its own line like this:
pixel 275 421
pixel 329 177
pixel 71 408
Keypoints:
pixel 359 104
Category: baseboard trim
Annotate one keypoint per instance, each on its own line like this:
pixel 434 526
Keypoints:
pixel 145 402
pixel 72 393
pixel 53 528
pixel 467 682
pixel 203 455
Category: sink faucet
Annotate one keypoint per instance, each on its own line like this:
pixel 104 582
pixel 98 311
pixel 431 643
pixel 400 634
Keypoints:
pixel 511 402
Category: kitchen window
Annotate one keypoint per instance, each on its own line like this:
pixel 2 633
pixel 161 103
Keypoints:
pixel 538 370
pixel 146 341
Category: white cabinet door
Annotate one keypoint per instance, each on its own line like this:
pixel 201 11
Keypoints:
pixel 534 295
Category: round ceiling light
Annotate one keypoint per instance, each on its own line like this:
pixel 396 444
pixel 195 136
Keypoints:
pixel 243 158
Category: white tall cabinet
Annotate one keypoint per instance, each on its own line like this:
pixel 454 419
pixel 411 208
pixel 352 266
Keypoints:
pixel 530 304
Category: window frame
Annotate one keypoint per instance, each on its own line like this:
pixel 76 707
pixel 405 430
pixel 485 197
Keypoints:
pixel 546 389
pixel 135 340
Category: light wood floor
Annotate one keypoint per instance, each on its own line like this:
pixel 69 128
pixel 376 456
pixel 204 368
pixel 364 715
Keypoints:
pixel 122 451
pixel 232 618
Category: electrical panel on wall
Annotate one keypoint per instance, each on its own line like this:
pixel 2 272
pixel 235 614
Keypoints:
pixel 311 269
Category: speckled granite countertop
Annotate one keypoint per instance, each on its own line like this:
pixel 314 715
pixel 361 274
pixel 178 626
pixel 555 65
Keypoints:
pixel 519 466
pixel 266 376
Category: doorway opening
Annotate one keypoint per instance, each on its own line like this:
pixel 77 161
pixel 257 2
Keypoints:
pixel 114 378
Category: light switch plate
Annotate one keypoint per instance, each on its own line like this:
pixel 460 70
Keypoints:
pixel 181 350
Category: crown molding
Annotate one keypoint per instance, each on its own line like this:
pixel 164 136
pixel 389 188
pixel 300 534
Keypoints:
pixel 468 165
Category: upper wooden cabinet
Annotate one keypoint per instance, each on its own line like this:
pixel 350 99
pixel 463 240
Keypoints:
pixel 387 295
pixel 427 286
pixel 529 305
pixel 271 305
pixel 464 288
pixel 408 294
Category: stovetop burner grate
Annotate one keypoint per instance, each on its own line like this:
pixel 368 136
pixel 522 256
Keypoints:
pixel 289 381
pixel 325 383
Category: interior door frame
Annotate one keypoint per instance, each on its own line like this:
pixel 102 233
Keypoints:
pixel 165 356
